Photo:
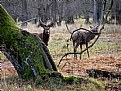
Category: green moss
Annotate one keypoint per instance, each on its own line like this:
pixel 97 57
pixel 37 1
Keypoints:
pixel 70 83
pixel 30 48
pixel 74 80
pixel 20 46
pixel 8 29
pixel 5 16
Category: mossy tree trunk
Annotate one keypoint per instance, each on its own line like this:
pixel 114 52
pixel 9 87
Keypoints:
pixel 27 53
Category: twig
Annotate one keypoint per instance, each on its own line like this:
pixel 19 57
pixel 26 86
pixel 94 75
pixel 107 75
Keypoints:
pixel 68 28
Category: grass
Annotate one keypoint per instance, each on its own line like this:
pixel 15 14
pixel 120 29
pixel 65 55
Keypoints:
pixel 100 48
pixel 112 29
pixel 69 84
pixel 59 41
pixel 104 48
pixel 3 57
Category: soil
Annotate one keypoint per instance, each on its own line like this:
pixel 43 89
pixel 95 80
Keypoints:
pixel 71 66
pixel 7 69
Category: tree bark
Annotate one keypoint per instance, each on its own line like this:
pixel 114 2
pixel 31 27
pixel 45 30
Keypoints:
pixel 24 12
pixel 26 52
pixel 99 11
pixel 86 12
pixel 95 12
pixel 54 11
pixel 118 12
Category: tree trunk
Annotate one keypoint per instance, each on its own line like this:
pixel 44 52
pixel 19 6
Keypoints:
pixel 27 53
pixel 98 11
pixel 95 12
pixel 70 20
pixel 118 12
pixel 24 12
pixel 87 18
pixel 102 14
pixel 86 12
pixel 54 10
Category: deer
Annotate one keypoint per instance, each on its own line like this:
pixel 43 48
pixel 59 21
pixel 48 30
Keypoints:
pixel 45 35
pixel 83 36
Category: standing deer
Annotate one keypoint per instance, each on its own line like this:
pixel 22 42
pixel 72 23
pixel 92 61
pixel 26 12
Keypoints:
pixel 46 32
pixel 81 37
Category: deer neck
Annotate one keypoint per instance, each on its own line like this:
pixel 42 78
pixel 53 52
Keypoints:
pixel 91 36
pixel 46 36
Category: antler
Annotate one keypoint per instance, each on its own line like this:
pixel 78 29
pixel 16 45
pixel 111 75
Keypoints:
pixel 51 24
pixel 41 23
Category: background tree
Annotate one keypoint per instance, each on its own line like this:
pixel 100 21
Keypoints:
pixel 98 15
pixel 66 10
pixel 118 11
pixel 24 12
pixel 54 11
pixel 87 2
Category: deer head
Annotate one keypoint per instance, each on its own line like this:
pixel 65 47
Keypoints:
pixel 46 32
pixel 94 28
pixel 46 27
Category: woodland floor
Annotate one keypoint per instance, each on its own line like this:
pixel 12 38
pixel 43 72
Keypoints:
pixel 78 67
pixel 70 66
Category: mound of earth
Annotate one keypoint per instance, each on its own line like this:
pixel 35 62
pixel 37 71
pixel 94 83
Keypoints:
pixel 70 66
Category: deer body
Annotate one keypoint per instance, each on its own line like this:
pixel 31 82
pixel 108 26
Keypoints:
pixel 82 37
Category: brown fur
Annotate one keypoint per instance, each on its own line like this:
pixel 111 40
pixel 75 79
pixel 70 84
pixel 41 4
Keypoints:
pixel 81 37
pixel 46 33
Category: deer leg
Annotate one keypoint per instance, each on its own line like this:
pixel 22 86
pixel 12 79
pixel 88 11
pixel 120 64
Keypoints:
pixel 75 50
pixel 87 49
pixel 80 50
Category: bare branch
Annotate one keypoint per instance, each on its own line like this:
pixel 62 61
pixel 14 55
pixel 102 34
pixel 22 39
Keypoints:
pixel 68 28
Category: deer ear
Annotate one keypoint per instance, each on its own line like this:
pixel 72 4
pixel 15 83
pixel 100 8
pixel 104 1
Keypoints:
pixel 80 25
pixel 97 26
pixel 51 24
pixel 41 24
pixel 91 27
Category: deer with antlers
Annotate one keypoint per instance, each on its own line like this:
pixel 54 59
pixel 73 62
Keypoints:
pixel 45 35
pixel 83 36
